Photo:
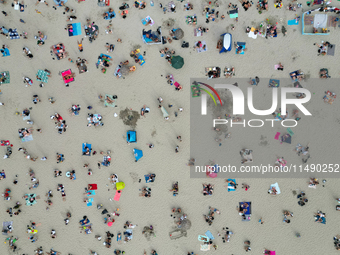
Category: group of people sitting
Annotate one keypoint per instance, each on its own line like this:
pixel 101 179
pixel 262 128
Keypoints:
pixel 59 51
pixel 287 214
pixel 145 192
pixel 208 189
pixel 229 72
pixel 302 199
pixel 211 216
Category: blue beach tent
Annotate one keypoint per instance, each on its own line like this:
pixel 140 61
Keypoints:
pixel 138 154
pixel 131 136
pixel 226 42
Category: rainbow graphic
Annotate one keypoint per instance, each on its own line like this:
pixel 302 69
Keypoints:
pixel 209 93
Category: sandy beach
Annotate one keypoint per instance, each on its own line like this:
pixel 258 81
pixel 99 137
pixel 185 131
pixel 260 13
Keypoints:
pixel 142 87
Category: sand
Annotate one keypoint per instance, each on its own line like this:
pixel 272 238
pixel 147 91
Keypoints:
pixel 295 51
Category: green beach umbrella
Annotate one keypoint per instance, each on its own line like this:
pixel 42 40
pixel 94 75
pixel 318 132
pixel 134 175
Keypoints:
pixel 177 62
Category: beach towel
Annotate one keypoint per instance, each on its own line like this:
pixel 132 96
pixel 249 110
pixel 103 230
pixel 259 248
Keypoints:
pixel 177 84
pixel 205 247
pixel 230 186
pixel 274 83
pixel 42 76
pixel 117 195
pixel 290 131
pixel 243 45
pixel 6 77
pixel 106 104
pixel 5 52
pixel 320 21
pixel 293 22
pixel 208 234
pixel 84 146
pixel 146 20
pixel 94 186
pixel 75 30
pixel 233 14
pixel 147 178
pixel 197 33
pixel 195 91
pixel 331 50
pixel 27 139
pixel 200 49
pixel 202 238
pixel 90 202
pixel 5 224
pixel 276 186
pixel 119 237
pixel 130 232
pixel 277 136
pixel 91 193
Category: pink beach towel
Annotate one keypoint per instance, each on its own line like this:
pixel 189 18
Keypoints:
pixel 176 84
pixel 277 136
pixel 117 195
pixel 276 67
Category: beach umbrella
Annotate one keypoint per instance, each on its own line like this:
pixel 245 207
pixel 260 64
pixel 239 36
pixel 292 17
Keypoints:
pixel 178 33
pixel 138 154
pixel 177 62
pixel 110 223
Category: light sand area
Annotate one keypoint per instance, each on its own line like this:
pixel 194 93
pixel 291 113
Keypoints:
pixel 144 86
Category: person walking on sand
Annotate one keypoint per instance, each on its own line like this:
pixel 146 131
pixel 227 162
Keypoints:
pixel 177 149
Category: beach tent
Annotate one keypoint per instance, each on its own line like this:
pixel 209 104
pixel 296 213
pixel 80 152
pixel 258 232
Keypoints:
pixel 138 154
pixel 177 62
pixel 131 136
pixel 318 20
pixel 226 44
pixel 120 185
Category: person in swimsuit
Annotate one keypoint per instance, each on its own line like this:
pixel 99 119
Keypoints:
pixel 80 45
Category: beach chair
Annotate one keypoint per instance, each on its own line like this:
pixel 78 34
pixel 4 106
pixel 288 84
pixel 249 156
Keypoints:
pixel 202 238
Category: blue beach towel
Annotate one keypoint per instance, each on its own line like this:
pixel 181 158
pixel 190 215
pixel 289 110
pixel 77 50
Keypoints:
pixel 293 22
pixel 208 234
pixel 230 186
pixel 243 45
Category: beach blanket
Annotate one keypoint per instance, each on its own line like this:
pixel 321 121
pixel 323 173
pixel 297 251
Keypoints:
pixel 94 186
pixel 231 187
pixel 27 139
pixel 208 234
pixel 243 45
pixel 331 50
pixel 233 14
pixel 195 91
pixel 74 29
pixel 130 232
pixel 111 15
pixel 199 50
pixel 67 72
pixel 146 20
pixel 276 186
pixel 5 77
pixel 5 224
pixel 106 104
pixel 91 193
pixel 117 195
pixel 42 76
pixel 293 22
pixel 248 212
